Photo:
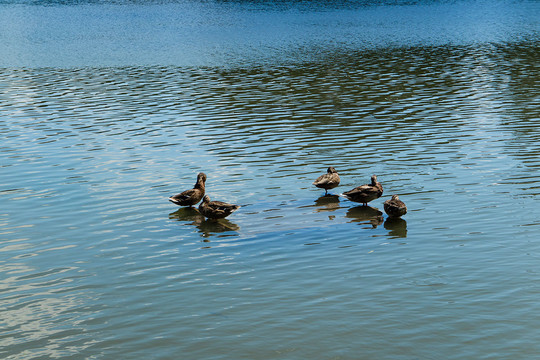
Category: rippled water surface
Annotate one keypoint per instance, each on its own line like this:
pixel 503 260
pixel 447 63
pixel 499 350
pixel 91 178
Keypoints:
pixel 106 109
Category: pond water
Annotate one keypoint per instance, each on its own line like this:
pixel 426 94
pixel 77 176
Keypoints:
pixel 108 108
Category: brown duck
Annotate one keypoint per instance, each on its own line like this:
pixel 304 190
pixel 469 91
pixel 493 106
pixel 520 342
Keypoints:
pixel 192 196
pixel 216 209
pixel 395 207
pixel 365 193
pixel 328 181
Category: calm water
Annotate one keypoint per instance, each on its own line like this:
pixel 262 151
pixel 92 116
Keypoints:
pixel 106 109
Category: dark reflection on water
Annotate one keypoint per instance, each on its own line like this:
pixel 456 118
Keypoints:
pixel 211 227
pixel 366 215
pixel 207 227
pixel 187 214
pixel 327 203
pixel 396 226
pixel 98 264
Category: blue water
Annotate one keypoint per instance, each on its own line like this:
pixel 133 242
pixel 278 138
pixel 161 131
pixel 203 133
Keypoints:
pixel 106 109
pixel 211 33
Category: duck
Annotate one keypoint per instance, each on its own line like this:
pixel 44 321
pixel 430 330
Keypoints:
pixel 192 196
pixel 365 193
pixel 216 209
pixel 395 207
pixel 328 181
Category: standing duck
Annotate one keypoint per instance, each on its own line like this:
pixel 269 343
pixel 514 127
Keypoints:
pixel 395 207
pixel 192 196
pixel 365 193
pixel 328 181
pixel 216 209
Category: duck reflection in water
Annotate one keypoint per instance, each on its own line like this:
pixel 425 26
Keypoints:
pixel 365 214
pixel 207 227
pixel 396 226
pixel 187 214
pixel 211 227
pixel 327 203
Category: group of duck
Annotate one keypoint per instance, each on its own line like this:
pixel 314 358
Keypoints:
pixel 210 209
pixel 363 194
pixel 393 207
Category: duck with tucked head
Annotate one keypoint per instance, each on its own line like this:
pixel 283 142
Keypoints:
pixel 395 207
pixel 216 209
pixel 328 181
pixel 192 196
pixel 365 193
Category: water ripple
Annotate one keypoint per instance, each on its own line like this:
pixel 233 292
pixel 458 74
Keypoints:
pixel 99 264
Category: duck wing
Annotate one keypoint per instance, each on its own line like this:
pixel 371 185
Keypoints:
pixel 188 197
pixel 327 179
pixel 184 195
pixel 217 209
pixel 363 194
pixel 222 207
pixel 362 190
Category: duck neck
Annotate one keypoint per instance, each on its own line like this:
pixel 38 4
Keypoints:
pixel 199 184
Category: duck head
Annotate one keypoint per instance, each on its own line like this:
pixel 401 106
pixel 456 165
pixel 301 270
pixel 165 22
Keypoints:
pixel 201 179
pixel 331 170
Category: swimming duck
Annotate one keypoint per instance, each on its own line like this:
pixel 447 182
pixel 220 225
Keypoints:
pixel 395 207
pixel 328 181
pixel 192 196
pixel 365 193
pixel 216 209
